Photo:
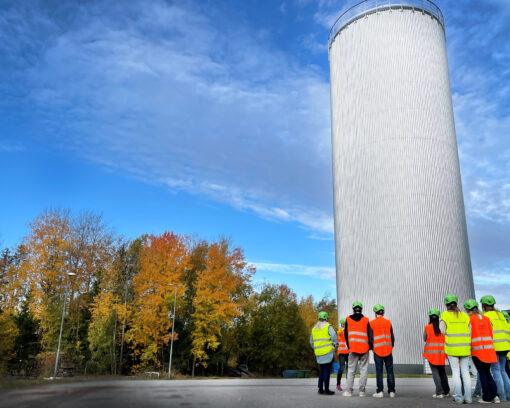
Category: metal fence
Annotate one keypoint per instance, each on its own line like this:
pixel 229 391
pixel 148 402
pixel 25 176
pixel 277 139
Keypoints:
pixel 375 6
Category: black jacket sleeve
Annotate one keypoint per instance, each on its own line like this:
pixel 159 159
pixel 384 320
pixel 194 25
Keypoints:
pixel 370 337
pixel 392 337
pixel 346 334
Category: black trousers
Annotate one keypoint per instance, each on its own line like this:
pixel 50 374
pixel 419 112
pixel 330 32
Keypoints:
pixel 440 379
pixel 342 360
pixel 489 388
pixel 324 375
pixel 388 362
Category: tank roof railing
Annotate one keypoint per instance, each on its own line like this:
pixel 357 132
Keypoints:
pixel 374 6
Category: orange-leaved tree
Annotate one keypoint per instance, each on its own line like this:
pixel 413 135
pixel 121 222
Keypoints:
pixel 163 262
pixel 221 290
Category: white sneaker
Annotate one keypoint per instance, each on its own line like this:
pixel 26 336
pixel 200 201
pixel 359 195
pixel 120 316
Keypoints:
pixel 362 394
pixel 437 396
pixel 347 394
pixel 496 400
pixel 378 394
pixel 481 401
pixel 392 395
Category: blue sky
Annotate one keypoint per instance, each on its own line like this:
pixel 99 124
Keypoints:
pixel 212 118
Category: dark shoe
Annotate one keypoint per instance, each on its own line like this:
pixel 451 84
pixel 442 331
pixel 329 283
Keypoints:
pixel 321 391
pixel 329 392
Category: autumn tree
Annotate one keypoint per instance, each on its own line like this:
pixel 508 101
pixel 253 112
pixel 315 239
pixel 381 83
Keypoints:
pixel 163 262
pixel 110 307
pixel 220 291
pixel 57 244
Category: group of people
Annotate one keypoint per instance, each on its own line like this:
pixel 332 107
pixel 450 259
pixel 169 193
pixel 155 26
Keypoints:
pixel 482 339
pixel 462 338
pixel 353 342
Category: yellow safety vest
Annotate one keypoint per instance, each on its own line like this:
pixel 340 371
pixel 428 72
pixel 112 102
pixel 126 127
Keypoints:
pixel 500 330
pixel 458 336
pixel 322 343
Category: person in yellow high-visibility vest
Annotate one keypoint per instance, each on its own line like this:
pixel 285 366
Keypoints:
pixel 324 342
pixel 455 325
pixel 501 332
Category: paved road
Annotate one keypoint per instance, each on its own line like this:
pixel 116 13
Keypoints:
pixel 242 393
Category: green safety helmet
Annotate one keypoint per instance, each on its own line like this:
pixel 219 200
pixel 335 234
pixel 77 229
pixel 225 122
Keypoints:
pixel 434 312
pixel 323 315
pixel 470 304
pixel 450 299
pixel 342 320
pixel 507 316
pixel 378 307
pixel 488 300
pixel 357 304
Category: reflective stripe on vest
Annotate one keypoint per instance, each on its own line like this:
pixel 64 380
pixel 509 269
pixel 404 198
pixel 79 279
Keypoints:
pixel 322 343
pixel 481 340
pixel 458 337
pixel 434 347
pixel 342 344
pixel 500 330
pixel 381 328
pixel 358 335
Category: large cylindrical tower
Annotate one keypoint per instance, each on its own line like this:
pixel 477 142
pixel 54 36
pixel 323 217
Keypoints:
pixel 400 228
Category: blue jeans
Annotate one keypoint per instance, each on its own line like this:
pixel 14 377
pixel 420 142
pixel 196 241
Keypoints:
pixel 324 374
pixel 500 376
pixel 388 362
pixel 460 376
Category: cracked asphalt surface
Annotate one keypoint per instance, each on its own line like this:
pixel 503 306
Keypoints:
pixel 239 393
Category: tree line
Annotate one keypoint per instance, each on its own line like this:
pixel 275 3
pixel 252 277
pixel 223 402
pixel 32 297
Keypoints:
pixel 119 298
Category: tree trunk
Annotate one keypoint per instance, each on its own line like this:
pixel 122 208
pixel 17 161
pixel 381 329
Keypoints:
pixel 193 368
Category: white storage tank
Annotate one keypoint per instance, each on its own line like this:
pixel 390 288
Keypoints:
pixel 400 227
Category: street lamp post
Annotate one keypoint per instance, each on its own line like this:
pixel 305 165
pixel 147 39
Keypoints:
pixel 62 323
pixel 173 326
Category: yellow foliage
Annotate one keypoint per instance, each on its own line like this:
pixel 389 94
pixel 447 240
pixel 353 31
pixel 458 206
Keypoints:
pixel 220 289
pixel 163 261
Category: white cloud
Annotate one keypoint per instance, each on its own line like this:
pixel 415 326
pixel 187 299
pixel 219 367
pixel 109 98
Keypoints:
pixel 189 105
pixel 321 272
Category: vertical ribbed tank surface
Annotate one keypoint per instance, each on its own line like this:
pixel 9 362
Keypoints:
pixel 400 228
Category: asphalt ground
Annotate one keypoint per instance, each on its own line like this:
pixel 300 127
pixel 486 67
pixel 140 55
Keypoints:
pixel 238 393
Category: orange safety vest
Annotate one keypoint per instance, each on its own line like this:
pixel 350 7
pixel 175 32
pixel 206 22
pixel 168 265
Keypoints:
pixel 434 347
pixel 342 344
pixel 482 345
pixel 381 329
pixel 358 335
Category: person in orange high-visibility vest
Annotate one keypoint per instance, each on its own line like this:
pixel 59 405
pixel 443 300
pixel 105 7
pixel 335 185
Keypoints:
pixel 383 342
pixel 343 354
pixel 483 352
pixel 435 355
pixel 358 336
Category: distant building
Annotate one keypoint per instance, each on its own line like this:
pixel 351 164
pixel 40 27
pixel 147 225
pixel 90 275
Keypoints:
pixel 400 229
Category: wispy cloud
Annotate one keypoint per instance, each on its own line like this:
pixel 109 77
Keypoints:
pixel 321 272
pixel 205 110
pixel 11 146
